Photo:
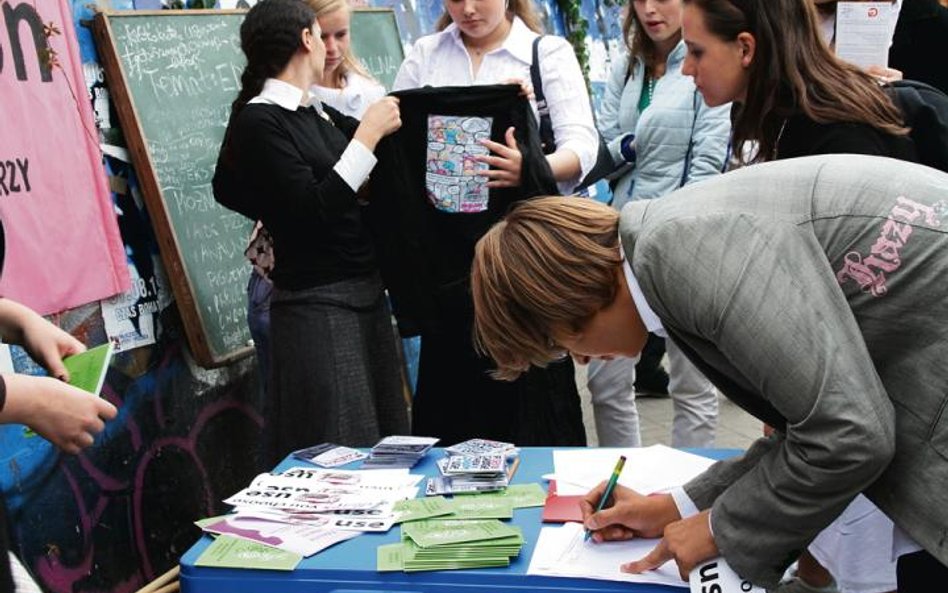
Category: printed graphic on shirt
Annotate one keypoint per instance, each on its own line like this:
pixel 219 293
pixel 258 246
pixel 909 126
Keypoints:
pixel 885 255
pixel 454 178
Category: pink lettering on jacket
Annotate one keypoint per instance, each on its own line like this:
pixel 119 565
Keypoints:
pixel 885 254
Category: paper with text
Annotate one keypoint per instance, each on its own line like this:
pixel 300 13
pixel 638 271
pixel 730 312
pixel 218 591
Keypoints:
pixel 562 552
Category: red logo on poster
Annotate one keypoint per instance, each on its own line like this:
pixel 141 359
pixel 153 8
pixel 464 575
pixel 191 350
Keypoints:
pixel 873 12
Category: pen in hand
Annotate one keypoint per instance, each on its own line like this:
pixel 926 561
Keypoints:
pixel 610 486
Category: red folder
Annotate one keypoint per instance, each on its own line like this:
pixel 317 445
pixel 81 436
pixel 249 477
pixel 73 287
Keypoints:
pixel 560 509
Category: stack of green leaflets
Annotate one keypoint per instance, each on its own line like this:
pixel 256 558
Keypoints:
pixel 518 496
pixel 451 544
pixel 463 532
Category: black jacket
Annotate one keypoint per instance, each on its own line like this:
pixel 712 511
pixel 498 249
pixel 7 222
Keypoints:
pixel 920 44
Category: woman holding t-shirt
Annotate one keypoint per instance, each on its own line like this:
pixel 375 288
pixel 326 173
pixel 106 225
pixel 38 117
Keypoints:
pixel 296 166
pixel 491 42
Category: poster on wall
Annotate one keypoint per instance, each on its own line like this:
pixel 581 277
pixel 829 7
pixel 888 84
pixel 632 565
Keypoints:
pixel 63 247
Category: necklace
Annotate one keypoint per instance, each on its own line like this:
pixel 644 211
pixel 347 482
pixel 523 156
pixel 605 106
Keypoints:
pixel 651 89
pixel 783 127
pixel 645 98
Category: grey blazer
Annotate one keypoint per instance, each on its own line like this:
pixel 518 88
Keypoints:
pixel 814 293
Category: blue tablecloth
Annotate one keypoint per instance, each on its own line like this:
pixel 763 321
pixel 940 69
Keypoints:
pixel 349 567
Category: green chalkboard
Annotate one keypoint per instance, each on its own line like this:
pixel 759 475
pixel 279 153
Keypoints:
pixel 172 75
pixel 375 40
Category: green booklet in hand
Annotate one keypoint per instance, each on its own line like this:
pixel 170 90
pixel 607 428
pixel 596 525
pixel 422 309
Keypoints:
pixel 87 369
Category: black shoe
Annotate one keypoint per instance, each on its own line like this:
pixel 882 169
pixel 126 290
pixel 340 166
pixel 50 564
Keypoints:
pixel 652 384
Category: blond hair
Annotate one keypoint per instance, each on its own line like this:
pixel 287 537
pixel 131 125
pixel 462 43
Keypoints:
pixel 525 9
pixel 350 63
pixel 548 267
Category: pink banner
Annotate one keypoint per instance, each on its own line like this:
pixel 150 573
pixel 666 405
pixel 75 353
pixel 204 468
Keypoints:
pixel 63 247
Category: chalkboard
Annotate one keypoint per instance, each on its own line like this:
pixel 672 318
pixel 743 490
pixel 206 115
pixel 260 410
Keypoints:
pixel 375 40
pixel 172 75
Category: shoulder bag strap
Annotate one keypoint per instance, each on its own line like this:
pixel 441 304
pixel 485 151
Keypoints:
pixel 546 124
pixel 691 139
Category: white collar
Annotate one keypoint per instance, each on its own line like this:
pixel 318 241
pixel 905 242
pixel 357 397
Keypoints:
pixel 519 41
pixel 284 94
pixel 652 323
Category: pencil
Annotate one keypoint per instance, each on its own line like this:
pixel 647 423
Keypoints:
pixel 513 468
pixel 610 486
pixel 157 584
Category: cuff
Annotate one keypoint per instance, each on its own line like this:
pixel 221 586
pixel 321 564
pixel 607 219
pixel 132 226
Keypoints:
pixel 627 148
pixel 355 164
pixel 686 506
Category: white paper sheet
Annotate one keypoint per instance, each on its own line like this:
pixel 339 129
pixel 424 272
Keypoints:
pixel 864 32
pixel 304 540
pixel 561 552
pixel 647 469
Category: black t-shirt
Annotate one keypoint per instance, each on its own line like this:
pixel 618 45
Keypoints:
pixel 429 207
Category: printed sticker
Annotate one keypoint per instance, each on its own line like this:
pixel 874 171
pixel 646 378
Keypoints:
pixel 454 178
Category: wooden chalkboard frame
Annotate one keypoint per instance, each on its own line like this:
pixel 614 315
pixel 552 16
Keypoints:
pixel 168 243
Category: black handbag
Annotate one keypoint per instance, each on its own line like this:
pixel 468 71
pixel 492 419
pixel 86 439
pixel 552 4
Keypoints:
pixel 604 166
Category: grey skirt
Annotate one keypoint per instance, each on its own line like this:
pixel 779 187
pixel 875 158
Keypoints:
pixel 334 373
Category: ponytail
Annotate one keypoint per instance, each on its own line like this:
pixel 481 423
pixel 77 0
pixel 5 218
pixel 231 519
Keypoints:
pixel 269 36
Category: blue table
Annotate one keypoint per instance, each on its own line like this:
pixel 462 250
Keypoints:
pixel 349 567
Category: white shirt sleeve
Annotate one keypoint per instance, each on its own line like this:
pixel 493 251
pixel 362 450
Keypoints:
pixel 409 73
pixel 686 506
pixel 570 112
pixel 355 164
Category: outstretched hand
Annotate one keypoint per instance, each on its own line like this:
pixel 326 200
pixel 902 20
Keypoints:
pixel 48 345
pixel 688 542
pixel 64 415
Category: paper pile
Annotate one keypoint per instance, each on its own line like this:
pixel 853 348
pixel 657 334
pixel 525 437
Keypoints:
pixel 458 533
pixel 398 452
pixel 304 510
pixel 445 544
pixel 477 465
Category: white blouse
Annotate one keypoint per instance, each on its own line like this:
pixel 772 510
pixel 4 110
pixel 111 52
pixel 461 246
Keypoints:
pixel 354 98
pixel 442 60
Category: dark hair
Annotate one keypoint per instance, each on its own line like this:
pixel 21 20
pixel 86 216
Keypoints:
pixel 640 45
pixel 793 70
pixel 269 36
pixel 525 9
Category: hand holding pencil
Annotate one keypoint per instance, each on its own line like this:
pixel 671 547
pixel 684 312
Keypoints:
pixel 610 486
pixel 630 515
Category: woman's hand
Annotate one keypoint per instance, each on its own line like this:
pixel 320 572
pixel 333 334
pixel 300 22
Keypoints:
pixel 526 89
pixel 505 162
pixel 48 344
pixel 379 120
pixel 884 74
pixel 631 514
pixel 64 415
pixel 688 542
